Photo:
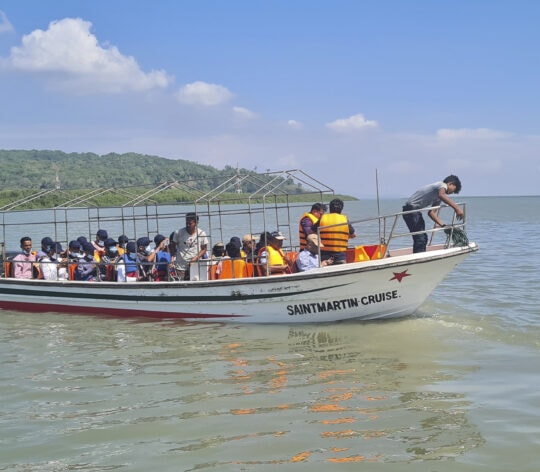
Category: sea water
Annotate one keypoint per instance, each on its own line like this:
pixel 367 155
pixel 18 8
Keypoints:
pixel 456 387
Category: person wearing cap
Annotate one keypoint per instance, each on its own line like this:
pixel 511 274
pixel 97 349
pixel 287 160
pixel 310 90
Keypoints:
pixel 233 265
pixel 45 242
pixel 272 258
pixel 218 251
pixel 247 252
pixel 99 243
pixel 62 261
pixel 122 241
pixel 128 264
pixel 308 259
pixel 307 220
pixel 143 252
pixel 107 265
pixel 74 250
pixel 161 258
pixel 87 265
pixel 190 245
pixel 50 263
pixel 82 240
pixel 335 231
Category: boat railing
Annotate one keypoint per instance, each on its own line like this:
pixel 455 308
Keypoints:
pixel 376 236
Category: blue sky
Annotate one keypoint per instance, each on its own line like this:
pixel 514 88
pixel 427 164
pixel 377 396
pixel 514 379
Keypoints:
pixel 413 89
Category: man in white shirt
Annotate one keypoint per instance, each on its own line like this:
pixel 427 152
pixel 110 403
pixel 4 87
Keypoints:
pixel 190 245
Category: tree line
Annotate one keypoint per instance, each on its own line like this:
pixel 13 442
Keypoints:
pixel 62 177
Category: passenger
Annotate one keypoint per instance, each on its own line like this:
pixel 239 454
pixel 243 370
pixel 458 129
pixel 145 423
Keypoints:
pixel 233 248
pixel 51 265
pixel 161 258
pixel 272 258
pixel 233 265
pixel 122 241
pixel 309 258
pixel 47 263
pixel 308 219
pixel 261 244
pixel 24 262
pixel 99 243
pixel 218 251
pixel 87 266
pixel 426 197
pixel 82 241
pixel 107 266
pixel 128 267
pixel 45 242
pixel 260 248
pixel 74 251
pixel 143 252
pixel 335 239
pixel 190 243
pixel 62 261
pixel 249 241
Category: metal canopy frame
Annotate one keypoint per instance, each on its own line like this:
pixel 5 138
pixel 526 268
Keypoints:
pixel 264 201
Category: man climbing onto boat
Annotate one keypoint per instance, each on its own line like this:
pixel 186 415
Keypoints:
pixel 426 197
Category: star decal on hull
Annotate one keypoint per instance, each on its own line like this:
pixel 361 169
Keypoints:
pixel 399 276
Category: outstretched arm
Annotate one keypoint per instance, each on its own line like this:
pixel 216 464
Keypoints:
pixel 451 203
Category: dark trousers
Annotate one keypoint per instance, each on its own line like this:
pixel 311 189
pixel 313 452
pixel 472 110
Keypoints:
pixel 415 222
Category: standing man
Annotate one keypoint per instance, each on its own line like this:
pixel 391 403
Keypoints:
pixel 426 197
pixel 190 245
pixel 24 262
pixel 335 232
pixel 308 219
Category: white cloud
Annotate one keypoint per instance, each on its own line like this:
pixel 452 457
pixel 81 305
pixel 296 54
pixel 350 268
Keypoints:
pixel 5 25
pixel 470 133
pixel 205 94
pixel 68 50
pixel 294 124
pixel 353 123
pixel 244 113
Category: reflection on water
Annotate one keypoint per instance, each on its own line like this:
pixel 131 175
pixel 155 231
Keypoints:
pixel 90 393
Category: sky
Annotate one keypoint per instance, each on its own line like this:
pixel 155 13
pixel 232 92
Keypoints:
pixel 346 90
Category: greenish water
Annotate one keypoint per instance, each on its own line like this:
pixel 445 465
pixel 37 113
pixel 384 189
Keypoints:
pixel 454 388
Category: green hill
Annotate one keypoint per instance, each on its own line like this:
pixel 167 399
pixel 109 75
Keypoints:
pixel 63 177
pixel 45 169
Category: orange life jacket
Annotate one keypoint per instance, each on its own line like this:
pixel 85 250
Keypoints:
pixel 301 235
pixel 336 238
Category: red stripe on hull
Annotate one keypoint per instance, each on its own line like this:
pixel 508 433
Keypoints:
pixel 77 310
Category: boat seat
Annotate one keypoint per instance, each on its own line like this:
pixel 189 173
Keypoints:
pixel 290 259
pixel 71 270
pixel 369 252
pixel 7 269
pixel 212 272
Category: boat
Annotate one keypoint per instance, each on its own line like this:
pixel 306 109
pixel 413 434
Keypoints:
pixel 382 278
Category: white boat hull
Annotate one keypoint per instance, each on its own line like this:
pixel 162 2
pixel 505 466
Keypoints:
pixel 386 288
